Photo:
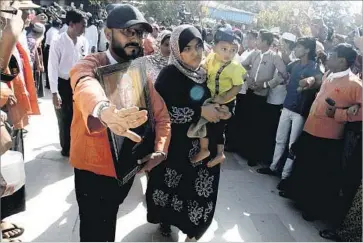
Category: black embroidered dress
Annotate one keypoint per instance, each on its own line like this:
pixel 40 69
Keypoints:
pixel 180 193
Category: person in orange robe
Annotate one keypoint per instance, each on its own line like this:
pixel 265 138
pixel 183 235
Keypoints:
pixel 18 95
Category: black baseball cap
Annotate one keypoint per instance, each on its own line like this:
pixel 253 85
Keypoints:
pixel 124 16
pixel 111 7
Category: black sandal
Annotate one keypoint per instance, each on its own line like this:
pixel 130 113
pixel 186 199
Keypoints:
pixel 15 227
pixel 329 235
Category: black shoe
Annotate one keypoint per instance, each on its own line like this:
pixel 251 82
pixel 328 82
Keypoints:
pixel 282 185
pixel 165 230
pixel 65 154
pixel 252 163
pixel 266 171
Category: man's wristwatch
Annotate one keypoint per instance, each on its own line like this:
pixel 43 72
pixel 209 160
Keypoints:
pixel 103 106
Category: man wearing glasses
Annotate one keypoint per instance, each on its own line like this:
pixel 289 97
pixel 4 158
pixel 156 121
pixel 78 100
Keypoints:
pixel 98 192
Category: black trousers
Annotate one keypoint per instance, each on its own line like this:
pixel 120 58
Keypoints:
pixel 253 127
pixel 65 114
pixel 99 198
pixel 234 130
pixel 217 130
pixel 46 59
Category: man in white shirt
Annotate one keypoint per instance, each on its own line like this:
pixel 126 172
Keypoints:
pixel 250 40
pixel 102 44
pixel 49 36
pixel 65 50
pixel 91 35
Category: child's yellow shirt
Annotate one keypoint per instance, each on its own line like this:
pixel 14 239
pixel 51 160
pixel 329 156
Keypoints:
pixel 232 75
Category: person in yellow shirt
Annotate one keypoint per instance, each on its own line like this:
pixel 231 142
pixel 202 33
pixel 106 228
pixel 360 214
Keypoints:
pixel 224 80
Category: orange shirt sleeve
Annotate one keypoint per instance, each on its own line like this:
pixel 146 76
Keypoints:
pixel 87 91
pixel 162 121
pixel 355 96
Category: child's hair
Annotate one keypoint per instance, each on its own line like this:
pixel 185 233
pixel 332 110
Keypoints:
pixel 267 36
pixel 308 43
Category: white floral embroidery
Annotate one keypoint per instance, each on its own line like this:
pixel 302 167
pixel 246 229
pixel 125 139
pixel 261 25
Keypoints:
pixel 160 198
pixel 195 212
pixel 207 211
pixel 177 204
pixel 181 115
pixel 195 149
pixel 204 183
pixel 171 178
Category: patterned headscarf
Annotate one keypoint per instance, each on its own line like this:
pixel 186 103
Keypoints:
pixel 198 75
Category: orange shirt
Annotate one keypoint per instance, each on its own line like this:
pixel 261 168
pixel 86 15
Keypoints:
pixel 345 91
pixel 90 149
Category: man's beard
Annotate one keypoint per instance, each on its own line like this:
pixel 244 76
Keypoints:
pixel 120 51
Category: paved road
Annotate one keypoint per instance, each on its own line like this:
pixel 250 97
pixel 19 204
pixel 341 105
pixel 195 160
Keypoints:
pixel 249 208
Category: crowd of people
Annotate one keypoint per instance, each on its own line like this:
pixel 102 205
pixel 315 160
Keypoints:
pixel 286 102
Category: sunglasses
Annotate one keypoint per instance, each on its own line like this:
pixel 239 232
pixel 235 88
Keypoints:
pixel 129 32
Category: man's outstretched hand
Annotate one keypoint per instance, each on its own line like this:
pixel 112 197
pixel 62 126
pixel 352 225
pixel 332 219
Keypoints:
pixel 121 121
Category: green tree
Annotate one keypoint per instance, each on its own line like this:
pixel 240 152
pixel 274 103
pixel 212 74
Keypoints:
pixel 284 15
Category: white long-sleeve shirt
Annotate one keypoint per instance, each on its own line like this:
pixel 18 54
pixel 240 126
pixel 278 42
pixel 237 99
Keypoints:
pixel 91 35
pixel 49 36
pixel 102 46
pixel 63 55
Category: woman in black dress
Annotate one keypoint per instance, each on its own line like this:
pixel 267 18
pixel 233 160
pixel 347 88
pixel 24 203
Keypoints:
pixel 180 193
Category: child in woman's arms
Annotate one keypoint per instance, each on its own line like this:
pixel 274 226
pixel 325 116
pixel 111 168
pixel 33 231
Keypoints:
pixel 224 80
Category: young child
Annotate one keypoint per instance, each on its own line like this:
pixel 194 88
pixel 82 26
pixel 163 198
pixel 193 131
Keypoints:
pixel 224 80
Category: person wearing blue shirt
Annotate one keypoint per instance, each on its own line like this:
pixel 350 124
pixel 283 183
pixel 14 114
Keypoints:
pixel 296 105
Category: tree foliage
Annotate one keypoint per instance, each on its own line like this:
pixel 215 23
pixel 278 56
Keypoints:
pixel 283 14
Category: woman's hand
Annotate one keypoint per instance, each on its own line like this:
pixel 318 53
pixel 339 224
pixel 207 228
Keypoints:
pixel 210 113
pixel 225 114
